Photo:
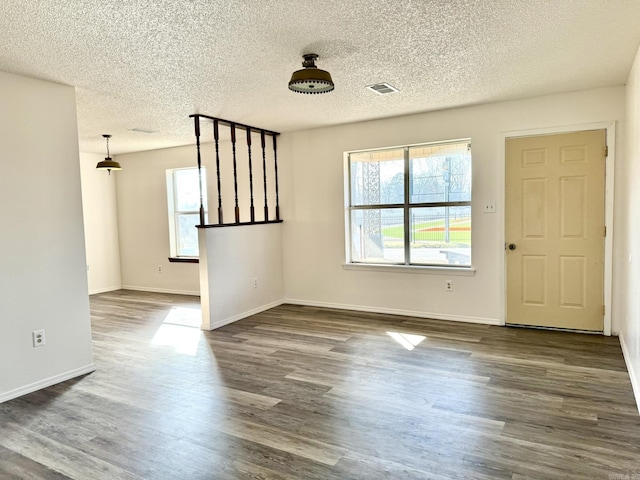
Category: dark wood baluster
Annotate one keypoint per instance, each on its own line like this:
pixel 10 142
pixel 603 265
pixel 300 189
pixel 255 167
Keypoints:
pixel 251 208
pixel 196 123
pixel 216 137
pixel 235 169
pixel 264 176
pixel 275 163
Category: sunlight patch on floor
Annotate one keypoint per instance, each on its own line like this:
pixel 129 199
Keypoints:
pixel 407 340
pixel 180 330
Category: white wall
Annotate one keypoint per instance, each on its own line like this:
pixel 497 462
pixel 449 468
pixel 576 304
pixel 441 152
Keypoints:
pixel 43 281
pixel 311 187
pixel 626 273
pixel 313 205
pixel 141 188
pixel 231 260
pixel 100 225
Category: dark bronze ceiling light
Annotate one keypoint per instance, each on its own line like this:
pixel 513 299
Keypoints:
pixel 108 163
pixel 311 79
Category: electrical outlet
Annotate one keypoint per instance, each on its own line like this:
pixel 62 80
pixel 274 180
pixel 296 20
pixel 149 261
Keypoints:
pixel 38 338
pixel 255 282
pixel 490 207
pixel 159 268
pixel 448 286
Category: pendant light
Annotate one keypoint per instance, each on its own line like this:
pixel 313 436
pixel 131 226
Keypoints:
pixel 108 163
pixel 311 79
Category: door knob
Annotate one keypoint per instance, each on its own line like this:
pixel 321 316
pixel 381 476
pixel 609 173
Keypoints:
pixel 512 246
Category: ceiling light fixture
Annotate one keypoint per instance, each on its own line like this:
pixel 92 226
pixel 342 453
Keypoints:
pixel 108 163
pixel 311 79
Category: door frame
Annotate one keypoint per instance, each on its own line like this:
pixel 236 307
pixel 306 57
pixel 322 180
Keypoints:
pixel 610 128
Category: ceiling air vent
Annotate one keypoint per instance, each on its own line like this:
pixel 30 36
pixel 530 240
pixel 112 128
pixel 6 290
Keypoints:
pixel 143 130
pixel 382 88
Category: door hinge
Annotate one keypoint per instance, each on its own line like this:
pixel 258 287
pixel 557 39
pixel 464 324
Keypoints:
pixel 603 309
pixel 606 151
pixel 604 231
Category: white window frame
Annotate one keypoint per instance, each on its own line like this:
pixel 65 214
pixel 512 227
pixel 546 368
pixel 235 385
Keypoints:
pixel 174 213
pixel 406 206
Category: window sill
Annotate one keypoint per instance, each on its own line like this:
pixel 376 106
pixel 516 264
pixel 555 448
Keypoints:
pixel 420 269
pixel 183 260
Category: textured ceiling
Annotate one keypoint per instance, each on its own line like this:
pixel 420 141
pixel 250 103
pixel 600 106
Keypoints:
pixel 149 64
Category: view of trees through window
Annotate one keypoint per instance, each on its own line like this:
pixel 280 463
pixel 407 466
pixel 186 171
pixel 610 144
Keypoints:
pixel 411 205
pixel 183 192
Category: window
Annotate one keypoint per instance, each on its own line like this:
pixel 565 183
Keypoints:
pixel 410 205
pixel 183 196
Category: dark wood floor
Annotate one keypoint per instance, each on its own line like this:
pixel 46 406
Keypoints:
pixel 307 393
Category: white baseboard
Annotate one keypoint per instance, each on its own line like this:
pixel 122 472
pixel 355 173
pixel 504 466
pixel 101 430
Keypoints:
pixel 160 290
pixel 240 316
pixel 47 382
pixel 105 289
pixel 393 311
pixel 635 380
